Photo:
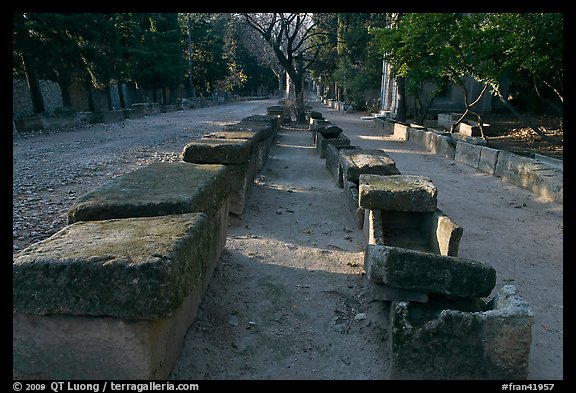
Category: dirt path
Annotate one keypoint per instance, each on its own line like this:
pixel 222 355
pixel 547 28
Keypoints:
pixel 290 300
pixel 283 303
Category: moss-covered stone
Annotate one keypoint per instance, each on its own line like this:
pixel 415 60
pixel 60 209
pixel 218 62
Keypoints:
pixel 430 273
pixel 357 162
pixel 439 340
pixel 217 151
pixel 412 193
pixel 158 189
pixel 135 268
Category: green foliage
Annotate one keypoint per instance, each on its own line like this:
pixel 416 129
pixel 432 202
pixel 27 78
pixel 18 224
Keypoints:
pixel 441 47
pixel 327 60
pixel 359 64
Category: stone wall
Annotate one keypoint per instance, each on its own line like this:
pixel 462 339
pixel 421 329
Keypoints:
pixel 22 101
pixel 541 175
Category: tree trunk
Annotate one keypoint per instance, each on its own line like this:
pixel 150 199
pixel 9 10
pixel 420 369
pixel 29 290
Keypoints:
pixel 400 94
pixel 108 91
pixel 164 95
pixel 34 85
pixel 121 95
pixel 90 95
pixel 299 110
pixel 65 92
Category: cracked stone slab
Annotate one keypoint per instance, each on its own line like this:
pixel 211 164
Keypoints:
pixel 366 161
pixel 132 268
pixel 428 273
pixel 412 193
pixel 158 189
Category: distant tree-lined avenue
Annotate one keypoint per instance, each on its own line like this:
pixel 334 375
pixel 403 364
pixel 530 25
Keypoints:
pixel 343 53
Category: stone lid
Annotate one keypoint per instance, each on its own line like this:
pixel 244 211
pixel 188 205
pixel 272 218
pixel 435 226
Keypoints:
pixel 366 161
pixel 157 189
pixel 427 272
pixel 134 268
pixel 217 151
pixel 413 193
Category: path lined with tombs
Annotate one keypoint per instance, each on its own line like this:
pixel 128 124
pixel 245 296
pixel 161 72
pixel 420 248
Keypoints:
pixel 150 240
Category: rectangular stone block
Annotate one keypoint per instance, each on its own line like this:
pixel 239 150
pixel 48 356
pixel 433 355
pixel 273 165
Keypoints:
pixel 160 188
pixel 488 159
pixel 444 341
pixel 444 234
pixel 445 147
pixel 132 268
pixel 431 232
pixel 258 151
pixel 322 143
pixel 243 176
pixel 447 120
pixel 352 202
pixel 430 273
pixel 543 179
pixel 357 162
pixel 385 293
pixel 333 161
pixel 398 193
pixel 468 153
pixel 217 151
pixel 247 134
pixel 150 274
pixel 417 136
pixel 388 126
pixel 401 131
pixel 471 128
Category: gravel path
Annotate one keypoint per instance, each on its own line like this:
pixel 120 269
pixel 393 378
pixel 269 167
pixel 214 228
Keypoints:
pixel 52 168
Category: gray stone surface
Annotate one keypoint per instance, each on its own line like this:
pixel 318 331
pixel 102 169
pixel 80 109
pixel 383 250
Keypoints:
pixel 352 202
pixel 488 159
pixel 329 130
pixel 398 192
pixel 366 161
pixel 447 120
pixel 543 179
pixel 133 268
pixel 472 128
pixel 322 142
pixel 401 131
pixel 333 161
pixel 385 293
pixel 468 153
pixel 443 341
pixel 426 272
pixel 416 135
pixel 242 183
pixel 158 189
pixel 217 151
pixel 445 234
pixel 262 132
pixel 248 134
pixel 431 232
pixel 262 121
pixel 444 146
